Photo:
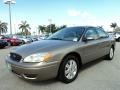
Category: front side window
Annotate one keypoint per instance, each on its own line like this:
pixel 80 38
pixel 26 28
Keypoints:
pixel 91 33
pixel 67 34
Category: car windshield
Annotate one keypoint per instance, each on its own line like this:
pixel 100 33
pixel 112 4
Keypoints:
pixel 67 34
pixel 19 36
pixel 8 36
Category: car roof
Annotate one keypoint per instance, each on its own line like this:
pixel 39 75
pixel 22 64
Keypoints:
pixel 85 27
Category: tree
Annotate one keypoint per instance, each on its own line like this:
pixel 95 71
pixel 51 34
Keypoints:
pixel 51 28
pixel 25 27
pixel 62 27
pixel 113 25
pixel 117 29
pixel 41 28
pixel 3 27
pixel 23 33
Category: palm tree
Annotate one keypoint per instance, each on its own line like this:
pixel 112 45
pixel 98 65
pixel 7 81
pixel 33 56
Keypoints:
pixel 51 28
pixel 41 28
pixel 113 25
pixel 25 27
pixel 117 29
pixel 3 27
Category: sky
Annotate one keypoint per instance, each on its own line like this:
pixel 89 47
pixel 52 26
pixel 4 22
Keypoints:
pixel 68 12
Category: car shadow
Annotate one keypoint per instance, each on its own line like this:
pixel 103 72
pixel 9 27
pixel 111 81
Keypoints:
pixel 91 64
pixel 52 81
pixel 45 82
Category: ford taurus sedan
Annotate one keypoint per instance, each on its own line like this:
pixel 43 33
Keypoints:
pixel 62 54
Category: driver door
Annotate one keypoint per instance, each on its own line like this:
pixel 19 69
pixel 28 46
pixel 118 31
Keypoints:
pixel 91 46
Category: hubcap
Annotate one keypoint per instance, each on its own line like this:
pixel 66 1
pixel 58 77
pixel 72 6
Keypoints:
pixel 111 53
pixel 8 43
pixel 70 69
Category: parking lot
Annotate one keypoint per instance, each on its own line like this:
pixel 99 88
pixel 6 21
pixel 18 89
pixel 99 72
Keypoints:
pixel 97 75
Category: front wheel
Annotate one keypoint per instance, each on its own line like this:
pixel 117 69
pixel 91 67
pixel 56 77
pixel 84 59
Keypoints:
pixel 118 39
pixel 110 56
pixel 69 69
pixel 9 44
pixel 2 47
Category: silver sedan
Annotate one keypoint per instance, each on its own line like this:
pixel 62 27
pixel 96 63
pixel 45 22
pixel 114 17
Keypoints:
pixel 62 54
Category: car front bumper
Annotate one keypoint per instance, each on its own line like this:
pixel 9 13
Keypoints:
pixel 38 73
pixel 3 44
pixel 16 43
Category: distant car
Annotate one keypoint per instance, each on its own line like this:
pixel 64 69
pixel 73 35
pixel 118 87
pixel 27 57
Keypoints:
pixel 24 39
pixel 117 36
pixel 111 34
pixel 3 43
pixel 62 54
pixel 11 40
pixel 43 37
pixel 29 38
pixel 34 38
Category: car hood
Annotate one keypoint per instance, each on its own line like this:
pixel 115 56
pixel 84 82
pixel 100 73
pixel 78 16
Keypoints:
pixel 41 47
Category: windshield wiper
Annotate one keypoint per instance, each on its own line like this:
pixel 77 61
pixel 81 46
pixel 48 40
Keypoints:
pixel 56 39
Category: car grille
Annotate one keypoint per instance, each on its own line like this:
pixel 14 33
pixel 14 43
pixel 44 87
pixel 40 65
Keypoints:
pixel 15 57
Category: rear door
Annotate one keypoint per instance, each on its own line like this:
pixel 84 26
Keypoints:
pixel 104 42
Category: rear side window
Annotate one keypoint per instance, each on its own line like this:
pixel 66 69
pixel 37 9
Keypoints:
pixel 102 33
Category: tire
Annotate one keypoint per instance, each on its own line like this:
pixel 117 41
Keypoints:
pixel 110 56
pixel 23 42
pixel 69 68
pixel 9 44
pixel 1 47
pixel 119 39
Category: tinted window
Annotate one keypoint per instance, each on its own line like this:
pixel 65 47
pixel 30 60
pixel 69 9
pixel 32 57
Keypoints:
pixel 102 33
pixel 7 36
pixel 69 34
pixel 91 33
pixel 118 33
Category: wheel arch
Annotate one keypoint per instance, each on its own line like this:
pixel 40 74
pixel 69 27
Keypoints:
pixel 71 53
pixel 113 46
pixel 76 54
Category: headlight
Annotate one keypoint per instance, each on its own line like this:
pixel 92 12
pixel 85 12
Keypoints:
pixel 39 57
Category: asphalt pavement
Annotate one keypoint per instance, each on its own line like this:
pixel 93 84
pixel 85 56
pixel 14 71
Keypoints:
pixel 98 75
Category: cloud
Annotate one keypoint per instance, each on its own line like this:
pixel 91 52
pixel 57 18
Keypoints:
pixel 78 17
pixel 73 12
pixel 86 18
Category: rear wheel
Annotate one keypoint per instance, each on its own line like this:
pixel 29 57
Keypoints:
pixel 2 47
pixel 69 69
pixel 110 56
pixel 118 39
pixel 9 44
pixel 23 42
